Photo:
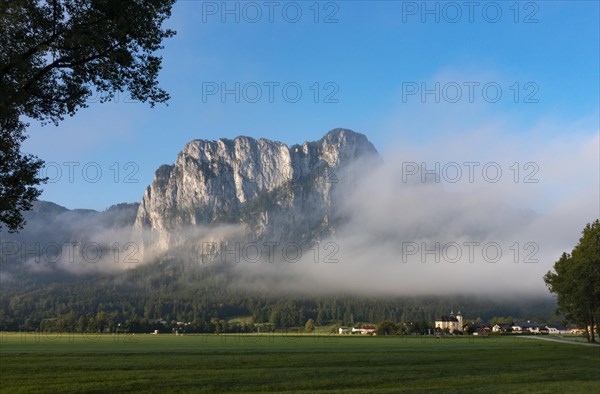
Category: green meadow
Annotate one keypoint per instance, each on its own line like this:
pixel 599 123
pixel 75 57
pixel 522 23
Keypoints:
pixel 70 363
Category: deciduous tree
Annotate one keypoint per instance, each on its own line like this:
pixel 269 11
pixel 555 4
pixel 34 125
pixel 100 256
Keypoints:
pixel 576 281
pixel 387 327
pixel 55 54
pixel 309 326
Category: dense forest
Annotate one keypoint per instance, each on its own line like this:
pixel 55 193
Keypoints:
pixel 168 296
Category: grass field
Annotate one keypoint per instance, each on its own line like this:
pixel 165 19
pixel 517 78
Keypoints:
pixel 280 363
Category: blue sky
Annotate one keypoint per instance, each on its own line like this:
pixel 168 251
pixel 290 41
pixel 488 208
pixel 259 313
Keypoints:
pixel 364 65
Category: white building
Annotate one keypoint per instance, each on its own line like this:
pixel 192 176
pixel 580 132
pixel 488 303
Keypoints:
pixel 364 330
pixel 450 322
pixel 556 329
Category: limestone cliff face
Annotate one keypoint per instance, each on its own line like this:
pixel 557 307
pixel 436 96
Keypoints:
pixel 275 192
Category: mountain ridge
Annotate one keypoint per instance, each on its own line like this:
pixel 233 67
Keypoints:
pixel 218 181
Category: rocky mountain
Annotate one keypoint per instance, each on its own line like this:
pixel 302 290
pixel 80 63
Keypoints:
pixel 257 189
pixel 274 191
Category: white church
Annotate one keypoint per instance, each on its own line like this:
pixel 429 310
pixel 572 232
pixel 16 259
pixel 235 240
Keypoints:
pixel 452 323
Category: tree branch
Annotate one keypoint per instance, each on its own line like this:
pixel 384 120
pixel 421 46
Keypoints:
pixel 57 64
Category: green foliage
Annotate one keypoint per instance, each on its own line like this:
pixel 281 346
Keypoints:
pixel 55 52
pixel 55 55
pixel 387 327
pixel 191 292
pixel 576 281
pixel 18 175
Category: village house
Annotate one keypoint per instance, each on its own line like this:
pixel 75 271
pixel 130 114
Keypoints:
pixel 519 327
pixel 555 329
pixel 498 328
pixel 476 328
pixel 343 330
pixel 528 326
pixel 538 329
pixel 531 327
pixel 363 330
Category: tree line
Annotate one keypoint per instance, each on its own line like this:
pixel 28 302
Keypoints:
pixel 202 298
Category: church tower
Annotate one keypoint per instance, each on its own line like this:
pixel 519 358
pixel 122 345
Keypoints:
pixel 460 321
